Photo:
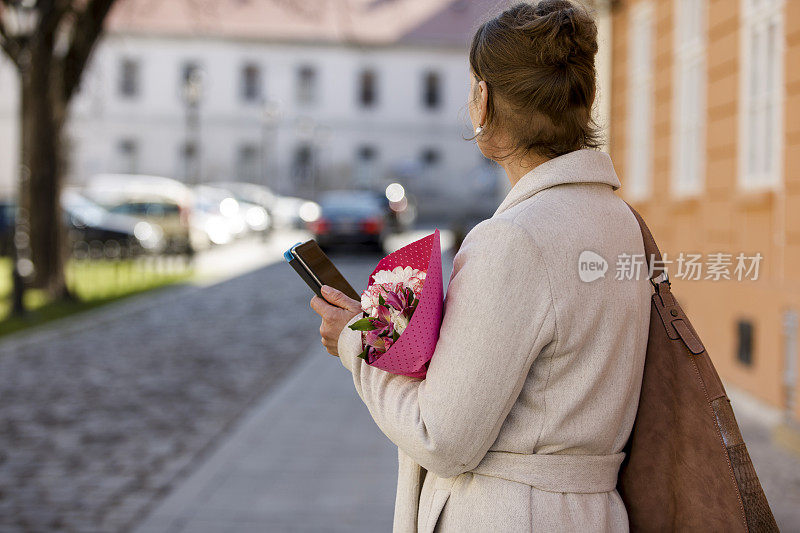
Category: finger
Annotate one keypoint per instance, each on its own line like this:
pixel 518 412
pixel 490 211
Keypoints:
pixel 320 306
pixel 327 329
pixel 329 346
pixel 340 299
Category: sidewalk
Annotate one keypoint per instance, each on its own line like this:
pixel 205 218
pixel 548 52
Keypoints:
pixel 308 457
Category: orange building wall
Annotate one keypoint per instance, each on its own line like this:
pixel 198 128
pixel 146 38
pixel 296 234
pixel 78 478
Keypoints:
pixel 723 218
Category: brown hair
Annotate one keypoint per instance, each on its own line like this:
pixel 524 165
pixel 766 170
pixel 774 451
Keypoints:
pixel 537 60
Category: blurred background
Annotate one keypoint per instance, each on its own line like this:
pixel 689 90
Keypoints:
pixel 160 367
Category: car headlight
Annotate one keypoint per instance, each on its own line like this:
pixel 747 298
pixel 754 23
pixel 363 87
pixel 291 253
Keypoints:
pixel 256 218
pixel 149 235
pixel 309 211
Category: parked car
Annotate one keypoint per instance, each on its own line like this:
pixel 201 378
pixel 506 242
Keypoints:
pixel 161 201
pixel 93 226
pixel 223 208
pixel 349 217
pixel 8 210
pixel 389 207
pixel 289 212
pixel 258 200
pixel 401 206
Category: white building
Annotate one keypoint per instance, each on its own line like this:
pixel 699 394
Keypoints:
pixel 300 96
pixel 300 100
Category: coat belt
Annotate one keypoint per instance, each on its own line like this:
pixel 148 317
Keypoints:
pixel 554 472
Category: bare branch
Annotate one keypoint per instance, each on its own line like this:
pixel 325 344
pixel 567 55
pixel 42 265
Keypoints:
pixel 88 28
pixel 10 46
pixel 51 12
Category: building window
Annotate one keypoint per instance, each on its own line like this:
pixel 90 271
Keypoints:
pixel 129 78
pixel 367 153
pixel 247 163
pixel 251 83
pixel 190 71
pixel 430 157
pixel 128 151
pixel 761 88
pixel 303 164
pixel 431 90
pixel 744 351
pixel 367 88
pixel 689 111
pixel 640 101
pixel 306 84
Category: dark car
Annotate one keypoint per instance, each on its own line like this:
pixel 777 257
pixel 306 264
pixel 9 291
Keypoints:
pixel 349 217
pixel 93 227
pixel 90 227
pixel 399 206
pixel 8 209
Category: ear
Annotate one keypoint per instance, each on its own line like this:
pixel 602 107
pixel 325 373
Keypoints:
pixel 483 101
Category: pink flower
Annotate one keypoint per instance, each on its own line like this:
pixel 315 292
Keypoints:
pixel 389 303
pixel 392 281
pixel 416 282
pixel 369 299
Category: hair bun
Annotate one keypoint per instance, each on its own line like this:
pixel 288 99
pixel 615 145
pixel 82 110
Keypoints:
pixel 562 31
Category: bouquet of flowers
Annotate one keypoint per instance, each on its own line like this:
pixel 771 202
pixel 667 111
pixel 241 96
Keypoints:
pixel 403 303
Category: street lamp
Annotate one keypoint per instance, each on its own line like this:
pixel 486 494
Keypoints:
pixel 192 92
pixel 20 20
pixel 317 136
pixel 270 116
pixel 304 131
pixel 321 137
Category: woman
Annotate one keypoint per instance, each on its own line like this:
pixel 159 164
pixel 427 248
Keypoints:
pixel 533 387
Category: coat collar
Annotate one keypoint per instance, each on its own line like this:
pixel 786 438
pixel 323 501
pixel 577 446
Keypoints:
pixel 580 166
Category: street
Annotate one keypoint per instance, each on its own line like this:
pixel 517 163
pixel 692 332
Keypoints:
pixel 168 411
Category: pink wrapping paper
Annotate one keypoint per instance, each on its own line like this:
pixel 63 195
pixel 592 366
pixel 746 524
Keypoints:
pixel 410 354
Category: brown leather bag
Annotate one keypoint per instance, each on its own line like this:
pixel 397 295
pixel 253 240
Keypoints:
pixel 686 466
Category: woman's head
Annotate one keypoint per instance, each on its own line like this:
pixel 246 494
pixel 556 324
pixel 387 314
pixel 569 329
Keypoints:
pixel 533 80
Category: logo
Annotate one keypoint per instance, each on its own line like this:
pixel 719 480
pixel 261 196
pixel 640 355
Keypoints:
pixel 591 266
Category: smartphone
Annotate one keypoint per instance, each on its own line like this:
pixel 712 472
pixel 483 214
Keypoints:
pixel 316 268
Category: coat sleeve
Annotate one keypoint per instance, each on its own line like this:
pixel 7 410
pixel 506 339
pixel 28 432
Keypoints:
pixel 498 317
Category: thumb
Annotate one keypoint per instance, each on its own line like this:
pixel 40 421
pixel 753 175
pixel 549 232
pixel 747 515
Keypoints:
pixel 340 299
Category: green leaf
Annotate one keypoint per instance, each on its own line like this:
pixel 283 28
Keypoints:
pixel 381 300
pixel 362 325
pixel 395 336
pixel 363 354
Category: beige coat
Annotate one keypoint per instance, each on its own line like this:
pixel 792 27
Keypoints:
pixel 533 365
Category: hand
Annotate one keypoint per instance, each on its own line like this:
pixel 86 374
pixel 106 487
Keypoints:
pixel 335 315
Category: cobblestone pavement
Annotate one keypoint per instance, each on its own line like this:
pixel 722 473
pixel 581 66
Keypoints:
pixel 778 469
pixel 100 416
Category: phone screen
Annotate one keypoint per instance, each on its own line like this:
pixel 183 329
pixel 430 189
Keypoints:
pixel 321 268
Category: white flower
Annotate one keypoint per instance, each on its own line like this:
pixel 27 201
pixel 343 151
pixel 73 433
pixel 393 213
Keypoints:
pixel 369 299
pixel 397 275
pixel 399 320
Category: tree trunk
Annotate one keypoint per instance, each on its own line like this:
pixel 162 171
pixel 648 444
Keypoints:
pixel 40 181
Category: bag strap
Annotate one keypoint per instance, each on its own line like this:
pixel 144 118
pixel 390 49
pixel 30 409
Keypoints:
pixel 651 251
